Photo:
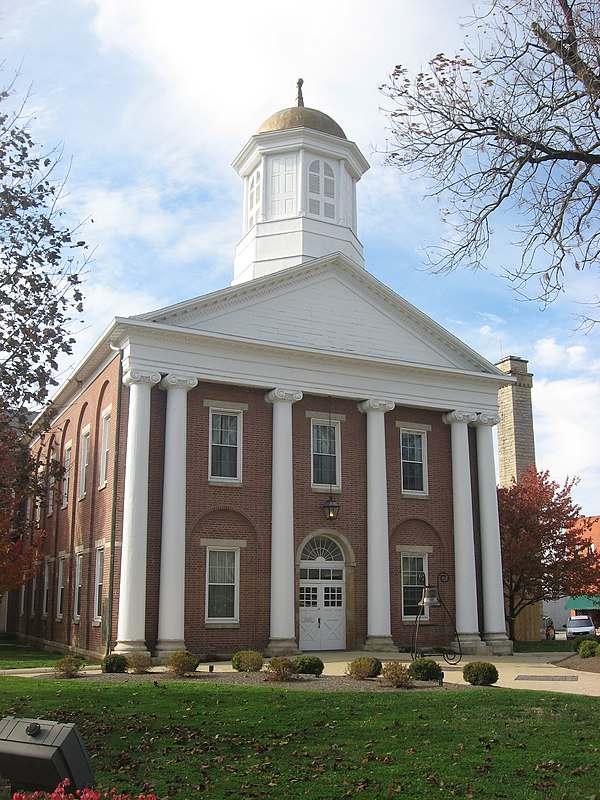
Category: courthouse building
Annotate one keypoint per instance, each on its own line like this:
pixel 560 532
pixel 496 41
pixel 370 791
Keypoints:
pixel 281 464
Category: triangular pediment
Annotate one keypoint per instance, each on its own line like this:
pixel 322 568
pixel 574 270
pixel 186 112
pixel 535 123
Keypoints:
pixel 327 306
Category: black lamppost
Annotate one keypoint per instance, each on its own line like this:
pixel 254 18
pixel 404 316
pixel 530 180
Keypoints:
pixel 431 598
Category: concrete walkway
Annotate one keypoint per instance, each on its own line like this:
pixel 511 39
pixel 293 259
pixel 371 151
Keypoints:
pixel 538 671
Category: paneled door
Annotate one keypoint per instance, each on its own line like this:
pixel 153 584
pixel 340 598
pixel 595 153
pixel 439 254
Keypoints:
pixel 322 599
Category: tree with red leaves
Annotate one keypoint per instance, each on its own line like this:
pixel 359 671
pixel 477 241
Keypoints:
pixel 545 551
pixel 20 542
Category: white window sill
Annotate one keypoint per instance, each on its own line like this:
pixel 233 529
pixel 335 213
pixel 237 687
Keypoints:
pixel 209 623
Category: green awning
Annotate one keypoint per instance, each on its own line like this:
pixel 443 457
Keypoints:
pixel 582 602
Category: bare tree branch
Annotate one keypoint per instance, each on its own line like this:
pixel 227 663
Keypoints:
pixel 510 126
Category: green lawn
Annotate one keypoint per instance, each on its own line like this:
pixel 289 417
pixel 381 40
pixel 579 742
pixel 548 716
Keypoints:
pixel 191 739
pixel 19 656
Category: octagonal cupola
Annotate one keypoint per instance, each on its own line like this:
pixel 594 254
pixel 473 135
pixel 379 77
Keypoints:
pixel 300 174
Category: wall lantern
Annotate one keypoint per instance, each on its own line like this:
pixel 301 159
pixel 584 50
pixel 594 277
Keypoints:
pixel 331 508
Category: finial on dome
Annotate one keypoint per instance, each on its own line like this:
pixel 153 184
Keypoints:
pixel 300 99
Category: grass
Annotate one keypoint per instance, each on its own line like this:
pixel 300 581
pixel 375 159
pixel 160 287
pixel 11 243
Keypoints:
pixel 191 739
pixel 19 656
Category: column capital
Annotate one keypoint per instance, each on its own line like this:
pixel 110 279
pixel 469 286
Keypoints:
pixel 147 376
pixel 459 416
pixel 486 419
pixel 376 404
pixel 282 395
pixel 179 380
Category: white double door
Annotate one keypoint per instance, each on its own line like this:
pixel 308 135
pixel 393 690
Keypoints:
pixel 322 610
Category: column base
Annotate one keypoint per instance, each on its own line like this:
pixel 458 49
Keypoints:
pixel 380 644
pixel 128 648
pixel 282 647
pixel 166 647
pixel 500 643
pixel 471 645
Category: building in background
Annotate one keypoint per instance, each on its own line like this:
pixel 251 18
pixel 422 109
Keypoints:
pixel 279 465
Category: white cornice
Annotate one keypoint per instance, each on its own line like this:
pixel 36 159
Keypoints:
pixel 355 277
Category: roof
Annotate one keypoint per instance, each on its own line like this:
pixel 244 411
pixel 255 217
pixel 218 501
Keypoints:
pixel 302 117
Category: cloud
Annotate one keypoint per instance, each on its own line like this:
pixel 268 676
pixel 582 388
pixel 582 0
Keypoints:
pixel 567 434
pixel 548 354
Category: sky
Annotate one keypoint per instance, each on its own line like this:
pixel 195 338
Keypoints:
pixel 151 102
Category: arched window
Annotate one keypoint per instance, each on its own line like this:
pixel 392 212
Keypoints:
pixel 254 199
pixel 321 189
pixel 321 548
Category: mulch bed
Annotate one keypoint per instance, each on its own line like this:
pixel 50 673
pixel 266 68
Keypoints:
pixel 581 664
pixel 323 683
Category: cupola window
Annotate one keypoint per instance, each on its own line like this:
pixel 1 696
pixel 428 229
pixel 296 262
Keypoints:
pixel 254 199
pixel 321 190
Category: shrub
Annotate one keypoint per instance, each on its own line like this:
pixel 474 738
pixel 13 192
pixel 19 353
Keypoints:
pixel 397 674
pixel 364 667
pixel 589 649
pixel 281 668
pixel 579 640
pixel 309 665
pixel 115 662
pixel 247 661
pixel 480 673
pixel 426 669
pixel 182 662
pixel 68 667
pixel 139 663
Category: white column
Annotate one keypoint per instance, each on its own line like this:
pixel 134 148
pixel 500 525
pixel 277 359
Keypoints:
pixel 131 630
pixel 283 623
pixel 171 604
pixel 379 622
pixel 494 625
pixel 465 576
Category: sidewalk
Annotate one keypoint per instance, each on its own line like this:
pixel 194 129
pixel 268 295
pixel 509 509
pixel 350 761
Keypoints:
pixel 538 671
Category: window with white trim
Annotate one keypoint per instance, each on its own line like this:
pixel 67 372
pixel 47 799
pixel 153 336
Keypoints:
pixel 84 462
pixel 33 597
pixel 51 488
pixel 66 483
pixel 78 581
pixel 225 454
pixel 22 600
pixel 321 189
pixel 325 437
pixel 413 446
pixel 254 199
pixel 40 480
pixel 104 447
pixel 46 590
pixel 60 594
pixel 98 582
pixel 414 577
pixel 222 584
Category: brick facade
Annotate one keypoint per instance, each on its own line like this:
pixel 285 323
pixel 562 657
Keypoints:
pixel 233 512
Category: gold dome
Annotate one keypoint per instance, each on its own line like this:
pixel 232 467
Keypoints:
pixel 302 117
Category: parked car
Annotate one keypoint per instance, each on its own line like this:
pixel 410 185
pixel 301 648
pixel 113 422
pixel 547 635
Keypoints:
pixel 579 626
